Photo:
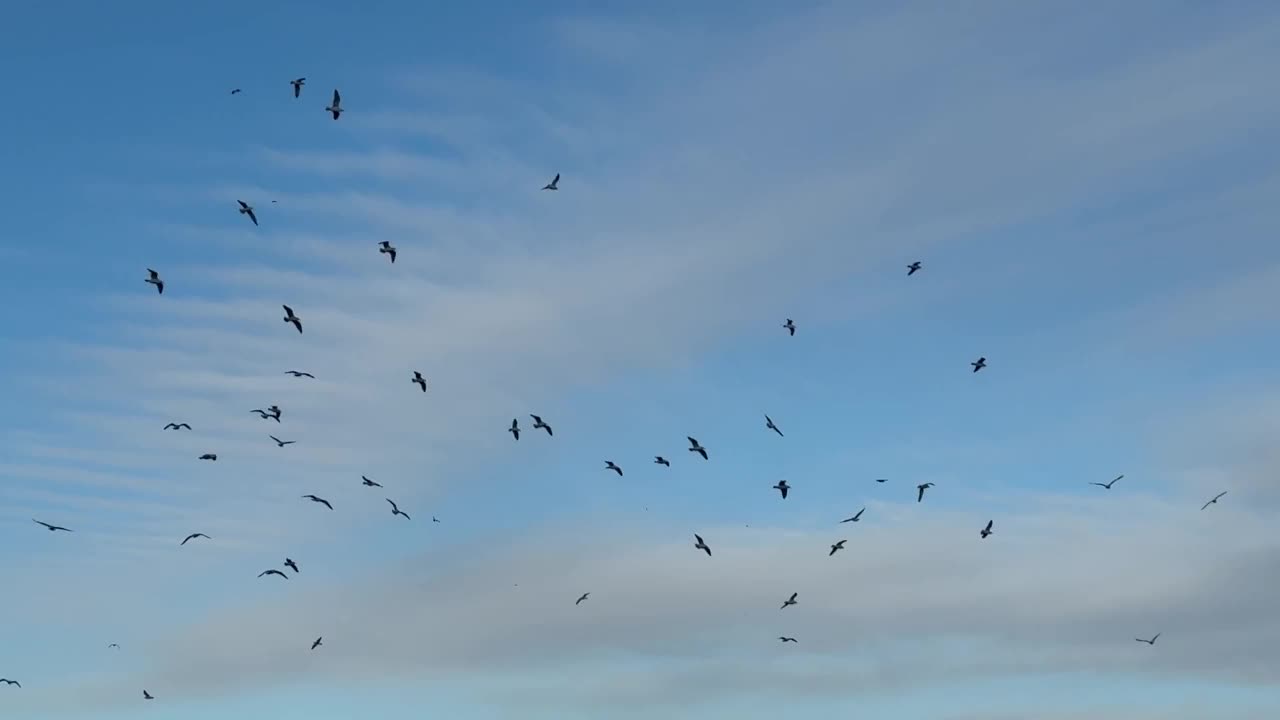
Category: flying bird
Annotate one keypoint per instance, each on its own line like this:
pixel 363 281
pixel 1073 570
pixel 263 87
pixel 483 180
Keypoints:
pixel 273 571
pixel 786 639
pixel 236 91
pixel 836 547
pixel 855 518
pixel 659 460
pixel 882 480
pixel 920 491
pixel 193 536
pixel 417 378
pixel 177 426
pixel 515 428
pixel 147 696
pixel 336 107
pixel 584 597
pixel 208 456
pixel 1107 485
pixel 979 364
pixel 154 279
pixel 769 425
pixel 537 423
pixel 386 248
pixel 289 563
pixel 701 544
pixel 1151 642
pixel 281 443
pixel 271 413
pixel 1214 501
pixel 913 268
pixel 289 317
pixel 987 530
pixel 297 85
pixel 789 601
pixel 113 645
pixel 782 487
pixel 554 184
pixel 396 510
pixel 7 681
pixel 433 519
pixel 790 326
pixel 695 447
pixel 247 209
pixel 275 412
pixel 320 500
pixel 369 483
pixel 316 644
pixel 52 528
pixel 297 373
pixel 609 465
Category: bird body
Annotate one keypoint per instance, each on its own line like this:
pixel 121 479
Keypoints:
pixel 247 209
pixel 701 544
pixel 609 465
pixel 336 106
pixel 154 279
pixel 837 547
pixel 696 447
pixel 386 248
pixel 554 184
pixel 790 326
pixel 297 85
pixel 320 500
pixel 539 424
pixel 987 530
pixel 782 487
pixel 290 317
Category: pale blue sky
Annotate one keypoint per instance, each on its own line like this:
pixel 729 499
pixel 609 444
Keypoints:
pixel 1091 194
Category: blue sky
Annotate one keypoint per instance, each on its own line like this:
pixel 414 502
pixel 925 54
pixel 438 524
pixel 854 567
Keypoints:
pixel 1091 196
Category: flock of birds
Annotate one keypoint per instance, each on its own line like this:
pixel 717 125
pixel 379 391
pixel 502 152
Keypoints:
pixel 274 412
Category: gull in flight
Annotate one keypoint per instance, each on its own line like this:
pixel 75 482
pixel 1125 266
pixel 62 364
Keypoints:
pixel 369 483
pixel 837 547
pixel 7 681
pixel 585 595
pixel 193 536
pixel 281 443
pixel 421 381
pixel 147 696
pixel 913 268
pixel 52 528
pixel 273 571
pixel 396 510
pixel 1107 485
pixel 538 424
pixel 336 107
pixel 208 456
pixel 782 487
pixel 695 447
pixel 177 426
pixel 769 425
pixel 855 518
pixel 554 184
pixel 515 428
pixel 297 85
pixel 247 209
pixel 316 644
pixel 289 563
pixel 113 645
pixel 236 91
pixel 979 364
pixel 1151 642
pixel 609 465
pixel 154 279
pixel 790 326
pixel 1214 501
pixel 701 544
pixel 659 460
pixel 789 601
pixel 786 639
pixel 921 489
pixel 987 530
pixel 320 500
pixel 386 248
pixel 289 317
pixel 298 373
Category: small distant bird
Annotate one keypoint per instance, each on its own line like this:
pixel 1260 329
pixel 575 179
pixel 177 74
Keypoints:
pixel 1214 501
pixel 289 563
pixel 920 491
pixel 193 536
pixel 608 465
pixel 790 326
pixel 7 681
pixel 336 107
pixel 1107 485
pixel 913 268
pixel 386 248
pixel 554 184
pixel 659 460
pixel 275 412
pixel 289 317
pixel 52 528
pixel 695 447
pixel 782 487
pixel 268 414
pixel 701 544
pixel 786 639
pixel 537 423
pixel 882 480
pixel 987 530
pixel 236 91
pixel 433 519
pixel 208 456
pixel 147 696
pixel 297 85
pixel 855 518
pixel 769 425
pixel 515 428
pixel 177 426
pixel 396 510
pixel 154 279
pixel 281 443
pixel 369 483
pixel 320 500
pixel 247 209
pixel 979 364
pixel 585 595
pixel 316 644
pixel 421 381
pixel 837 546
pixel 113 645
pixel 789 601
pixel 1151 642
pixel 298 373
pixel 273 571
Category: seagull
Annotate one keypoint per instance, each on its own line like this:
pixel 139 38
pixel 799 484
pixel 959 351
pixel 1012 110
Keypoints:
pixel 386 248
pixel 515 428
pixel 608 465
pixel 193 536
pixel 855 518
pixel 336 107
pixel 247 209
pixel 782 487
pixel 208 456
pixel 882 480
pixel 369 483
pixel 113 645
pixel 433 519
pixel 396 510
pixel 52 528
pixel 554 184
pixel 913 268
pixel 837 546
pixel 177 426
pixel 790 326
pixel 701 544
pixel 281 443
pixel 289 563
pixel 921 489
pixel 537 423
pixel 298 373
pixel 275 412
pixel 154 279
pixel 769 425
pixel 789 601
pixel 659 460
pixel 297 85
pixel 290 317
pixel 695 447
pixel 786 639
pixel 316 644
pixel 417 378
pixel 1107 485
pixel 979 364
pixel 147 696
pixel 236 91
pixel 320 500
pixel 7 681
pixel 584 597
pixel 273 571
pixel 1214 501
pixel 1151 642
pixel 986 530
pixel 272 413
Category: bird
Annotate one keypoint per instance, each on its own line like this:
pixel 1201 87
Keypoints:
pixel 701 544
pixel 274 410
pixel 320 500
pixel 789 601
pixel 273 571
pixel 386 248
pixel 208 456
pixel 316 644
pixel 515 428
pixel 396 510
pixel 52 528
pixel 537 423
pixel 856 517
pixel 281 443
pixel 7 681
pixel 147 696
pixel 417 378
pixel 609 465
pixel 297 85
pixel 659 460
pixel 336 107
pixel 236 91
pixel 272 413
pixel 584 597
pixel 790 326
pixel 695 447
pixel 154 279
pixel 433 519
pixel 837 546
pixel 979 364
pixel 247 209
pixel 1107 485
pixel 193 536
pixel 113 645
pixel 782 487
pixel 987 530
pixel 369 483
pixel 290 317
pixel 913 268
pixel 882 480
pixel 921 489
pixel 1151 642
pixel 786 639
pixel 289 563
pixel 177 426
pixel 298 373
pixel 769 425
pixel 1214 501
pixel 554 184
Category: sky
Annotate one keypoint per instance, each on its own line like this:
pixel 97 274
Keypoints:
pixel 1091 195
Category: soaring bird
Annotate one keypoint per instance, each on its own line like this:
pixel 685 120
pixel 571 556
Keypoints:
pixel 273 571
pixel 247 209
pixel 769 425
pixel 386 248
pixel 920 490
pixel 701 544
pixel 154 279
pixel 1151 642
pixel 695 447
pixel 537 423
pixel 52 528
pixel 7 681
pixel 281 443
pixel 289 317
pixel 417 378
pixel 289 563
pixel 320 500
pixel 837 546
pixel 979 364
pixel 113 645
pixel 316 644
pixel 786 639
pixel 396 510
pixel 298 373
pixel 236 91
pixel 261 413
pixel 987 530
pixel 336 106
pixel 177 426
pixel 584 597
pixel 882 480
pixel 790 326
pixel 659 460
pixel 609 465
pixel 369 483
pixel 554 184
pixel 913 268
pixel 147 696
pixel 515 428
pixel 782 487
pixel 1214 501
pixel 193 536
pixel 1107 485
pixel 208 456
pixel 297 85
pixel 856 517
pixel 433 519
pixel 789 601
pixel 274 410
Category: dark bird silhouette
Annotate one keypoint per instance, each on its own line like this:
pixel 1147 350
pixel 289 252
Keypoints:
pixel 281 443
pixel 537 423
pixel 554 184
pixel 790 326
pixel 979 364
pixel 913 268
pixel 320 500
pixel 421 381
pixel 855 518
pixel 177 426
pixel 297 85
pixel 987 530
pixel 786 639
pixel 701 544
pixel 271 413
pixel 261 413
pixel 247 209
pixel 789 601
pixel 920 490
pixel 336 106
pixel 193 536
pixel 584 597
pixel 208 456
pixel 1151 642
pixel 369 483
pixel 659 460
pixel 695 447
pixel 7 681
pixel 289 317
pixel 298 373
pixel 769 425
pixel 1214 501
pixel 52 528
pixel 1107 485
pixel 289 563
pixel 433 519
pixel 515 428
pixel 397 511
pixel 882 480
pixel 273 571
pixel 154 279
pixel 236 91
pixel 275 412
pixel 836 547
pixel 782 487
pixel 113 645
pixel 386 248
pixel 147 696
pixel 316 644
pixel 608 465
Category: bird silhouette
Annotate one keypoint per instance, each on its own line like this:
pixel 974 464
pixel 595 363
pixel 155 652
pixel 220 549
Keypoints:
pixel 177 426
pixel 52 528
pixel 7 681
pixel 837 547
pixel 701 544
pixel 289 563
pixel 289 317
pixel 782 487
pixel 147 696
pixel 1151 642
pixel 554 184
pixel 193 536
pixel 856 517
pixel 609 465
pixel 113 645
pixel 154 279
pixel 386 248
pixel 786 639
pixel 247 209
pixel 368 483
pixel 1214 501
pixel 336 106
pixel 913 268
pixel 208 456
pixel 297 373
pixel 316 644
pixel 433 519
pixel 659 460
pixel 920 490
pixel 320 500
pixel 585 595
pixel 769 425
pixel 396 510
pixel 515 428
pixel 790 326
pixel 789 601
pixel 297 85
pixel 273 571
pixel 281 443
pixel 979 364
pixel 1107 485
pixel 539 424
pixel 236 91
pixel 987 530
pixel 421 381
pixel 696 448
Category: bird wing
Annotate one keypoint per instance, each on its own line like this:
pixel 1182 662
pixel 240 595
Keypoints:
pixel 41 523
pixel 1224 492
pixel 287 310
pixel 990 523
pixel 337 99
pixel 393 504
pixel 243 204
pixel 692 441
